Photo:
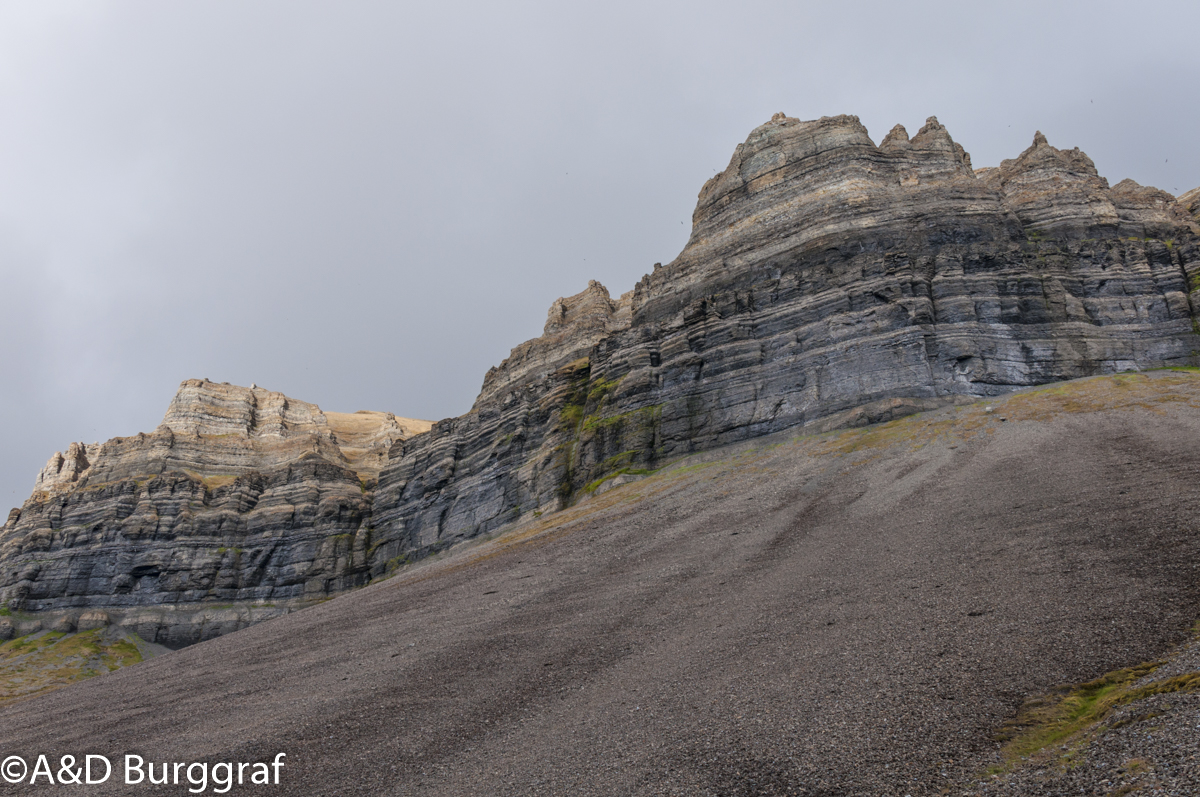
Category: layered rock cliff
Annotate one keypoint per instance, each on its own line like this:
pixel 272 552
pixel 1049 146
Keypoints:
pixel 827 282
pixel 241 505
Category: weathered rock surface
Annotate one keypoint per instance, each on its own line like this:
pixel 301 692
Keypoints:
pixel 241 505
pixel 847 614
pixel 827 282
pixel 1191 203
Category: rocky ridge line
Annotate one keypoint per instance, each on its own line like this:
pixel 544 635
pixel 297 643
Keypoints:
pixel 827 282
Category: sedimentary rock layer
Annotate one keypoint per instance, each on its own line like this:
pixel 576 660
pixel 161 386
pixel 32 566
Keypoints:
pixel 241 505
pixel 1191 203
pixel 854 614
pixel 827 282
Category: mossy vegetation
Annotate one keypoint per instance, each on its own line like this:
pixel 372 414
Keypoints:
pixel 1059 725
pixel 640 416
pixel 600 389
pixel 572 412
pixel 1049 720
pixel 622 460
pixel 1057 729
pixel 1119 391
pixel 397 562
pixel 1095 394
pixel 693 468
pixel 594 485
pixel 40 662
pixel 571 415
pixel 589 429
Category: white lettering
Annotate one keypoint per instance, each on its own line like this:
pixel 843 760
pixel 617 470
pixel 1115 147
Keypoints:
pixel 107 768
pixel 226 781
pixel 65 773
pixel 129 769
pixel 42 767
pixel 203 782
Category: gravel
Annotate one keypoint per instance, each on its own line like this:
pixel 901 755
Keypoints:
pixel 839 615
pixel 1151 746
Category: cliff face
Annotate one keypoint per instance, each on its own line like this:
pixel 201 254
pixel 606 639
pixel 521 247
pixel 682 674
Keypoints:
pixel 1190 202
pixel 827 282
pixel 242 504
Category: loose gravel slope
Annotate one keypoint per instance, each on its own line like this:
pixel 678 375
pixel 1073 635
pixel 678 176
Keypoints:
pixel 841 614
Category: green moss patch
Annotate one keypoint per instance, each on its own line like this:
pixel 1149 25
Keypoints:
pixel 41 662
pixel 1074 714
pixel 641 415
pixel 1119 391
pixel 600 389
pixel 593 486
pixel 1050 720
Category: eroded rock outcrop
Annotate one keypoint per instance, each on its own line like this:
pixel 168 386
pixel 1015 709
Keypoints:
pixel 827 282
pixel 1191 203
pixel 243 504
pixel 574 325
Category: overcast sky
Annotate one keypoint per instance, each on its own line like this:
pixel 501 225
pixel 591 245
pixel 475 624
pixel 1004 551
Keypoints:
pixel 366 205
